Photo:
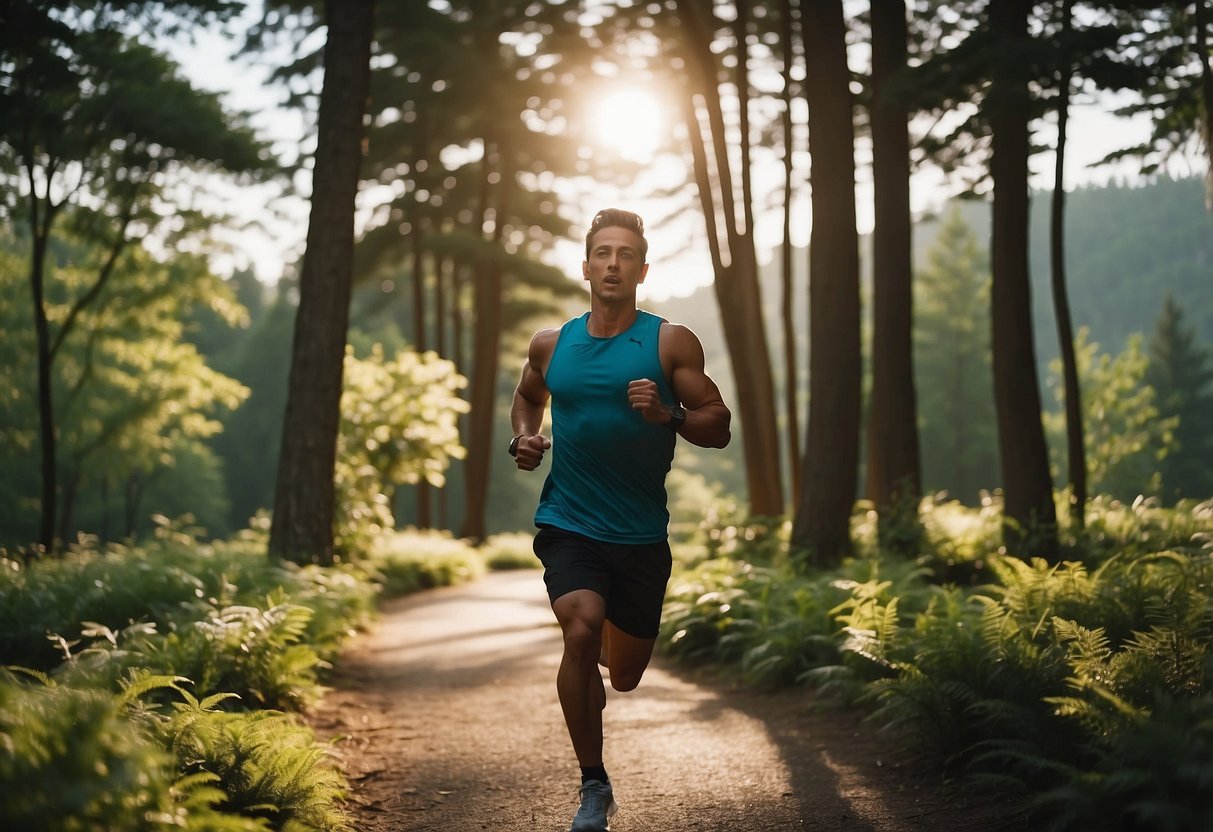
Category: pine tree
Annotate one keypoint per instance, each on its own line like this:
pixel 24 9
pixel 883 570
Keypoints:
pixel 952 364
pixel 1181 373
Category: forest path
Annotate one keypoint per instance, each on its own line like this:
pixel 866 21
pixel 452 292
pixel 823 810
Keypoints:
pixel 445 719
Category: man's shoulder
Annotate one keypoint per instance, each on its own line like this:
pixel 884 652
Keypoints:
pixel 543 342
pixel 545 339
pixel 676 332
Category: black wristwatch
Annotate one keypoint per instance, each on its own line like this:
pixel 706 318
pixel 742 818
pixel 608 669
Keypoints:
pixel 678 415
pixel 514 444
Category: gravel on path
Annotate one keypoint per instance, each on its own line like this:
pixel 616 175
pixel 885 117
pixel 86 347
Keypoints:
pixel 445 719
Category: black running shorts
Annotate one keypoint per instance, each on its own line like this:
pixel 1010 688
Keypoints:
pixel 630 577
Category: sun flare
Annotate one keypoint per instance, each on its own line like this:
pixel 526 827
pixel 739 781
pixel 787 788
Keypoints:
pixel 629 122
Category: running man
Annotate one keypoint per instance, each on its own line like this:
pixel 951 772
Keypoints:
pixel 623 385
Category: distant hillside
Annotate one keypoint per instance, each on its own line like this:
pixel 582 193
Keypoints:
pixel 1127 247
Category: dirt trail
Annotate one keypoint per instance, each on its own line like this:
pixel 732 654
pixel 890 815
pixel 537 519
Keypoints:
pixel 445 719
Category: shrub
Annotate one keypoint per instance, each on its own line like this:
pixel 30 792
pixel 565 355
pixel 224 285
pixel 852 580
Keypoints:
pixel 71 760
pixel 413 560
pixel 510 550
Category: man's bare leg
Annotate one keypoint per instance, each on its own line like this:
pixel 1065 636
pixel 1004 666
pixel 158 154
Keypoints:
pixel 581 614
pixel 589 638
pixel 625 655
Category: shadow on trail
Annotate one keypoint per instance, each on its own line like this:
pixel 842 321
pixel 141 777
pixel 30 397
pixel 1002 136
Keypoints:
pixel 446 718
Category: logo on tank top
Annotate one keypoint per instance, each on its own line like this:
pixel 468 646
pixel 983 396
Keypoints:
pixel 637 341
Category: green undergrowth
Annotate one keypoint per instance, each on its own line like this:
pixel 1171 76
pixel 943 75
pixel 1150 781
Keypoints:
pixel 160 686
pixel 412 560
pixel 1081 690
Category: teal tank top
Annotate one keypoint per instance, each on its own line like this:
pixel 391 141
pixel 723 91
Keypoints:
pixel 609 465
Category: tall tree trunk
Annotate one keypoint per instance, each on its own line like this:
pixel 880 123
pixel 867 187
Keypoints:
pixel 302 528
pixel 734 263
pixel 791 392
pixel 40 228
pixel 1030 519
pixel 442 273
pixel 1076 457
pixel 894 477
pixel 821 526
pixel 71 491
pixel 442 269
pixel 459 280
pixel 420 344
pixel 1200 45
pixel 486 342
pixel 132 498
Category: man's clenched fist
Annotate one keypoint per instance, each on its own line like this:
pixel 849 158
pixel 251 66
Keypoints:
pixel 530 452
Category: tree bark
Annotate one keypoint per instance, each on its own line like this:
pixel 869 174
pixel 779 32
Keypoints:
pixel 1030 519
pixel 735 265
pixel 302 528
pixel 894 477
pixel 1076 457
pixel 1200 44
pixel 821 527
pixel 486 343
pixel 791 383
pixel 420 344
pixel 46 400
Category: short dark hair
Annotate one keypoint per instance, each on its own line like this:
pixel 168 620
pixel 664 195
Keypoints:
pixel 617 217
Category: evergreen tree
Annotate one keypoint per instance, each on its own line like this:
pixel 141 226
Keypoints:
pixel 1127 436
pixel 831 462
pixel 1181 374
pixel 894 467
pixel 952 364
pixel 302 528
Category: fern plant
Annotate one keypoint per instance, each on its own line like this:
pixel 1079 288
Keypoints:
pixel 71 760
pixel 266 764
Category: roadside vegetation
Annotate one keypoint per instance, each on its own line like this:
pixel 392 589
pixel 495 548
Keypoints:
pixel 161 685
pixel 1083 690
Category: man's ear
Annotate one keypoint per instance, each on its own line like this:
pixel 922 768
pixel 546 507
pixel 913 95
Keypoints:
pixel 644 272
pixel 585 269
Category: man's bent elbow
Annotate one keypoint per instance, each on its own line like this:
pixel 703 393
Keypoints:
pixel 715 439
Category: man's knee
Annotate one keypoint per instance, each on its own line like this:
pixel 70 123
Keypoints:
pixel 581 635
pixel 624 681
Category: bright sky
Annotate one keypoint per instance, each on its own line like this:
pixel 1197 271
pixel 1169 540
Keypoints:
pixel 678 252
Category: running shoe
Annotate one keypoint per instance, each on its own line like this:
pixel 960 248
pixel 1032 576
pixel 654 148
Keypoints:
pixel 597 806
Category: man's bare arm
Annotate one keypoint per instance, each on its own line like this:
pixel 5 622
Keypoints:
pixel 530 401
pixel 708 418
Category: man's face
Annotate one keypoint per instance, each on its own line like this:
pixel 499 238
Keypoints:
pixel 614 269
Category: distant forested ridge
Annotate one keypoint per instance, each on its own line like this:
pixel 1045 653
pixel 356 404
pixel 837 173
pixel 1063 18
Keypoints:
pixel 1128 248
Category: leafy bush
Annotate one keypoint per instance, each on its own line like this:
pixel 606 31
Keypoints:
pixel 44 604
pixel 265 764
pixel 119 633
pixel 86 758
pixel 71 760
pixel 510 550
pixel 773 626
pixel 1083 687
pixel 413 560
pixel 256 654
pixel 399 424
